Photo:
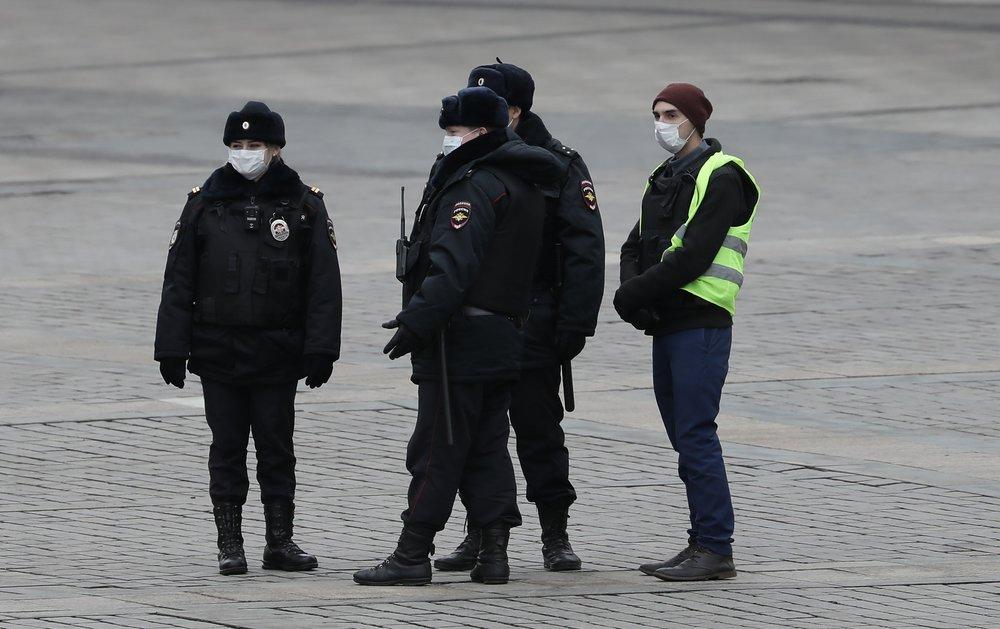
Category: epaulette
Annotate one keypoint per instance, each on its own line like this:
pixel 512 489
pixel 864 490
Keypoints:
pixel 316 191
pixel 558 147
pixel 194 191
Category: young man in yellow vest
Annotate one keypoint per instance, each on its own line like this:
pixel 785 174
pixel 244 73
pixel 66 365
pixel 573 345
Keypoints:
pixel 681 269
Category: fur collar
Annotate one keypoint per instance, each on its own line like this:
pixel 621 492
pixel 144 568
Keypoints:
pixel 279 181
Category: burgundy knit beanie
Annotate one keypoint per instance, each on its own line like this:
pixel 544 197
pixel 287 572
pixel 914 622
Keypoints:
pixel 691 102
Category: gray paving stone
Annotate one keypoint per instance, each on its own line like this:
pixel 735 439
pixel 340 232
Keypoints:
pixel 860 417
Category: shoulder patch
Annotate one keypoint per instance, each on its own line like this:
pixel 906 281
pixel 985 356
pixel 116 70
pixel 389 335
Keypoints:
pixel 589 194
pixel 331 233
pixel 316 191
pixel 194 191
pixel 460 214
pixel 174 235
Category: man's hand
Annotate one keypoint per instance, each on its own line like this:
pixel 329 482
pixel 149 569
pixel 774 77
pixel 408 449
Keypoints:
pixel 402 342
pixel 630 297
pixel 173 371
pixel 643 319
pixel 318 369
pixel 569 344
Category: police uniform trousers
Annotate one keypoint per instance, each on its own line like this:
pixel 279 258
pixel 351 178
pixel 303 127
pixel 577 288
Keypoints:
pixel 233 413
pixel 536 412
pixel 689 369
pixel 478 462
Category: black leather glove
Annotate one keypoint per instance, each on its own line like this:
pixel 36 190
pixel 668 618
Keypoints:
pixel 318 369
pixel 643 319
pixel 173 371
pixel 569 344
pixel 402 342
pixel 629 297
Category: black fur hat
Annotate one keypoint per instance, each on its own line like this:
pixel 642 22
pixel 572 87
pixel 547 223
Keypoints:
pixel 255 122
pixel 474 107
pixel 512 83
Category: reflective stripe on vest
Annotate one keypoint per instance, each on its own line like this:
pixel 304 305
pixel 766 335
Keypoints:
pixel 721 283
pixel 730 242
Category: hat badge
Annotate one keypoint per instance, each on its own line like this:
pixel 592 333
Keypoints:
pixel 246 125
pixel 481 80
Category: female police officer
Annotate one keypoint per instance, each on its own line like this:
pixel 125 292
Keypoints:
pixel 251 303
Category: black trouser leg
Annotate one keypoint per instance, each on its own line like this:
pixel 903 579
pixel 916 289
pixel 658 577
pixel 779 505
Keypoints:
pixel 227 409
pixel 437 468
pixel 535 414
pixel 488 477
pixel 273 423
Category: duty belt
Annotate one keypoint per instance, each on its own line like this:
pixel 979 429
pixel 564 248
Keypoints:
pixel 473 311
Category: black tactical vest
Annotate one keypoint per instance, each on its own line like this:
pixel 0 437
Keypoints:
pixel 252 260
pixel 664 209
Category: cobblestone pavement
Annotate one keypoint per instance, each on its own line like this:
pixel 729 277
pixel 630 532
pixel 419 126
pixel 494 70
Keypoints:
pixel 859 421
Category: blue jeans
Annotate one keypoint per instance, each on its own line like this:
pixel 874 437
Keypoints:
pixel 689 369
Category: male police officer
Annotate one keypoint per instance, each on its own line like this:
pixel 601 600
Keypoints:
pixel 473 249
pixel 566 296
pixel 251 303
pixel 681 269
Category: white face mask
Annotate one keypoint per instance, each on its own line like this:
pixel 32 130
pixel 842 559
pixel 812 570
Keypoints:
pixel 668 136
pixel 249 163
pixel 452 142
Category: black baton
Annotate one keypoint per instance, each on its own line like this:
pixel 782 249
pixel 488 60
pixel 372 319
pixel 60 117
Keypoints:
pixel 567 378
pixel 567 366
pixel 445 393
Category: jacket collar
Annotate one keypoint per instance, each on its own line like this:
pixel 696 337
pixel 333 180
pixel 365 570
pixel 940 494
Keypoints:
pixel 532 130
pixel 713 147
pixel 279 181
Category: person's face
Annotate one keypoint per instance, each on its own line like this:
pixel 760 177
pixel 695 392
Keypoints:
pixel 466 133
pixel 666 112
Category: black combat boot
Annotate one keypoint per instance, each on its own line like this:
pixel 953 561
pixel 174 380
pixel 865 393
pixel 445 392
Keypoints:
pixel 676 560
pixel 491 564
pixel 464 557
pixel 281 553
pixel 557 553
pixel 701 565
pixel 409 564
pixel 229 522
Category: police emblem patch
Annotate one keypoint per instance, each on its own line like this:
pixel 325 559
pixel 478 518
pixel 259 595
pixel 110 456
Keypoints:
pixel 279 230
pixel 332 234
pixel 589 195
pixel 460 214
pixel 173 236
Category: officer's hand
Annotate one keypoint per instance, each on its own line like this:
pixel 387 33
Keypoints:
pixel 173 371
pixel 644 319
pixel 569 344
pixel 629 298
pixel 318 369
pixel 402 342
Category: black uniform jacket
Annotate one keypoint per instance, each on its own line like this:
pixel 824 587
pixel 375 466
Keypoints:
pixel 568 285
pixel 475 245
pixel 245 305
pixel 729 202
